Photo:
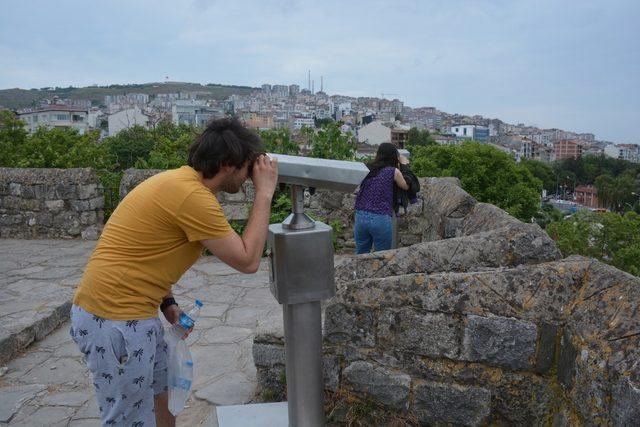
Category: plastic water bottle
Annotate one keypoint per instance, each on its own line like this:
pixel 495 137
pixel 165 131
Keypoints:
pixel 180 362
pixel 187 320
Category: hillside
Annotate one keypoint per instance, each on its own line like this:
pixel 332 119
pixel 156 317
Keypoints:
pixel 21 98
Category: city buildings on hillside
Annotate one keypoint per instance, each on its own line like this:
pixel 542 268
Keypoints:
pixel 474 132
pixel 629 152
pixel 374 120
pixel 193 112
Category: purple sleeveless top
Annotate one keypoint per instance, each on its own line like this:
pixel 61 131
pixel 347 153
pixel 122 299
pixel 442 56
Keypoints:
pixel 376 193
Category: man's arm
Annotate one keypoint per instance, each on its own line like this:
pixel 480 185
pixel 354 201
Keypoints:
pixel 244 252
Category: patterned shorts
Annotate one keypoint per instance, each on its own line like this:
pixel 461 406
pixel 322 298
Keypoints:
pixel 128 361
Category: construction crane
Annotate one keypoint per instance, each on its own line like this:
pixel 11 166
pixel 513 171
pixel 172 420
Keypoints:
pixel 385 94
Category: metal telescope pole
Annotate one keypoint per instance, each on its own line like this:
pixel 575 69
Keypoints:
pixel 303 342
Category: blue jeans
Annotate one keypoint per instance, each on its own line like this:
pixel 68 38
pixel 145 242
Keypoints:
pixel 372 229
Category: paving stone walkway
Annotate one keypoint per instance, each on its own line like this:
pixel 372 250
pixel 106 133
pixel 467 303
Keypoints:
pixel 48 384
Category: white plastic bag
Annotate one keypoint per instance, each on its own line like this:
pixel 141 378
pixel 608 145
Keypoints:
pixel 179 373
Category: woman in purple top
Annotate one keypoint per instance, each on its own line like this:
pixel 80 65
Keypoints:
pixel 374 202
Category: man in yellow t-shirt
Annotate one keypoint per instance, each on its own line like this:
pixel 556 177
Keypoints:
pixel 155 234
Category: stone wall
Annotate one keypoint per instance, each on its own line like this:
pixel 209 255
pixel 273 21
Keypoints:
pixel 480 323
pixel 50 203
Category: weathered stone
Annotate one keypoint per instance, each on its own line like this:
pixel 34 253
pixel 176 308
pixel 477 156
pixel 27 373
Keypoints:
pixel 500 341
pixel 388 388
pixel 625 410
pixel 567 360
pixel 349 324
pixel 452 403
pixel 229 389
pixel 236 212
pixel 12 398
pixel 548 334
pixel 238 197
pixel 429 334
pixel 507 246
pixel 331 372
pixel 87 191
pixel 268 354
pixel 15 189
pixel 45 201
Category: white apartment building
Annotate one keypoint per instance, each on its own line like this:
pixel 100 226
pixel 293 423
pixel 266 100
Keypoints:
pixel 55 116
pixel 299 121
pixel 193 112
pixel 125 119
pixel 630 152
pixel 375 133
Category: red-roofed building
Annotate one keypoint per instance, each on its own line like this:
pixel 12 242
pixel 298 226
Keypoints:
pixel 587 195
pixel 566 148
pixel 55 116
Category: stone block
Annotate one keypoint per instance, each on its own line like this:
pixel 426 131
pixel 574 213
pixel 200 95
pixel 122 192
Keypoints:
pixel 428 334
pixel 567 361
pixel 44 219
pixel 15 189
pixel 450 403
pixel 96 203
pixel 353 325
pixel 87 191
pixel 625 410
pixel 384 386
pixel 90 233
pixel 29 205
pixel 265 354
pixel 236 212
pixel 88 218
pixel 331 372
pixel 7 219
pixel 65 191
pixel 452 228
pixel 546 347
pixel 501 341
pixel 54 205
pixel 238 197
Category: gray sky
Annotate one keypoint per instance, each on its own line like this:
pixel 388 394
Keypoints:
pixel 574 65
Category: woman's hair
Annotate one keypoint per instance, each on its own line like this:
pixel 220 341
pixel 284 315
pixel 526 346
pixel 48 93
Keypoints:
pixel 224 142
pixel 387 155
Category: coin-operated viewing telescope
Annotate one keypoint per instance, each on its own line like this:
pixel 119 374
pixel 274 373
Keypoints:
pixel 300 252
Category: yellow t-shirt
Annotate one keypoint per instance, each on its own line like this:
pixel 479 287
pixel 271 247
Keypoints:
pixel 150 240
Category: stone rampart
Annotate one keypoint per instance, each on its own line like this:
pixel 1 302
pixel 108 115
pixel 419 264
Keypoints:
pixel 50 203
pixel 479 323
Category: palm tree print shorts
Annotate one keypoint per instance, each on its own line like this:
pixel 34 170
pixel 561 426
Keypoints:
pixel 128 361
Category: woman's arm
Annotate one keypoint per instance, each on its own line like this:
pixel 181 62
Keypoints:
pixel 399 179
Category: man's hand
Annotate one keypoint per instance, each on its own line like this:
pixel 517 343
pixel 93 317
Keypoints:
pixel 403 160
pixel 265 175
pixel 172 314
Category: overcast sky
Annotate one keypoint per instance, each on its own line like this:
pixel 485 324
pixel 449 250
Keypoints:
pixel 574 65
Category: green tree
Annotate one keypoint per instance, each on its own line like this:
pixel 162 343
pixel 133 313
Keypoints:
pixel 609 237
pixel 330 142
pixel 419 138
pixel 12 138
pixel 543 172
pixel 322 122
pixel 486 173
pixel 279 141
pixel 617 193
pixel 130 145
